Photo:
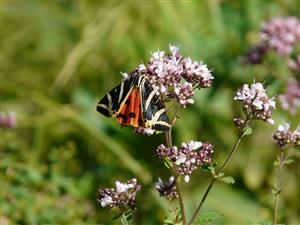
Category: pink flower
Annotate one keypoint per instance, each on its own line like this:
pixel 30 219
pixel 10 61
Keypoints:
pixel 255 102
pixel 281 34
pixel 290 100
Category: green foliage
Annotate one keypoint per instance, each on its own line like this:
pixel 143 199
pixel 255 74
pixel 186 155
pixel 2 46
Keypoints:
pixel 248 131
pixel 59 57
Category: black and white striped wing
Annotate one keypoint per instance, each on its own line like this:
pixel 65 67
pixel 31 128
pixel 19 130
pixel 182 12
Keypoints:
pixel 110 104
pixel 153 110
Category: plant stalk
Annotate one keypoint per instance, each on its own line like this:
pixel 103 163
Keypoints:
pixel 278 187
pixel 178 182
pixel 229 157
pixel 174 168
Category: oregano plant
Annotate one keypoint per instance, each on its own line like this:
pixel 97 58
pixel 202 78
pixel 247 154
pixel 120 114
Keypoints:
pixel 174 79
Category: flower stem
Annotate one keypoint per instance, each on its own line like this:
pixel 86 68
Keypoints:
pixel 278 186
pixel 178 182
pixel 123 219
pixel 229 157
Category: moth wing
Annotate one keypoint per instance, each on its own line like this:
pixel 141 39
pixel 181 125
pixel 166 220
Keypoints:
pixel 153 110
pixel 110 104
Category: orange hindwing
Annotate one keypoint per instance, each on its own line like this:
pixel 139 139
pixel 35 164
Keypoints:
pixel 130 112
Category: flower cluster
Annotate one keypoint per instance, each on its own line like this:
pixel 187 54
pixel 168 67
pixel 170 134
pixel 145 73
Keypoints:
pixel 7 119
pixel 175 76
pixel 123 196
pixel 281 34
pixel 186 157
pixel 283 136
pixel 290 100
pixel 256 103
pixel 167 189
pixel 144 131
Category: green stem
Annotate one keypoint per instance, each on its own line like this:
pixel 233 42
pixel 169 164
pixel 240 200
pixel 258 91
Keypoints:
pixel 278 186
pixel 123 219
pixel 229 157
pixel 175 169
pixel 178 182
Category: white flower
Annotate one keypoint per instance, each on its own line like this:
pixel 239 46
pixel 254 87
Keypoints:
pixel 258 87
pixel 270 121
pixel 205 72
pixel 181 158
pixel 125 75
pixel 159 184
pixel 190 101
pixel 142 67
pixel 284 127
pixel 186 178
pixel 258 104
pixel 188 63
pixel 148 131
pixel 173 49
pixel 122 187
pixel 158 55
pixel 193 145
pixel 163 89
pixel 105 201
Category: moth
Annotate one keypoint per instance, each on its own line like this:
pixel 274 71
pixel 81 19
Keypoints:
pixel 135 103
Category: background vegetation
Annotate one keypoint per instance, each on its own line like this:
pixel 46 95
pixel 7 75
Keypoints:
pixel 58 58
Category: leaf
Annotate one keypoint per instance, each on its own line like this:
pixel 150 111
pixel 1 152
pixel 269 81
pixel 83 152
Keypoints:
pixel 168 163
pixel 228 180
pixel 248 131
pixel 221 175
pixel 275 191
pixel 289 161
pixel 207 218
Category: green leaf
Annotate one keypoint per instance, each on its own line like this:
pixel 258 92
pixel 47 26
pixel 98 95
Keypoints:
pixel 208 218
pixel 221 175
pixel 248 131
pixel 289 161
pixel 275 191
pixel 168 163
pixel 228 180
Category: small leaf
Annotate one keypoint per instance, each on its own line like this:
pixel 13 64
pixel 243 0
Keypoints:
pixel 248 131
pixel 168 222
pixel 168 164
pixel 228 180
pixel 288 161
pixel 275 191
pixel 221 175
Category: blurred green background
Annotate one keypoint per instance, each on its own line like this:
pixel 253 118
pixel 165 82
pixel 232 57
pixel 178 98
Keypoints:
pixel 58 58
